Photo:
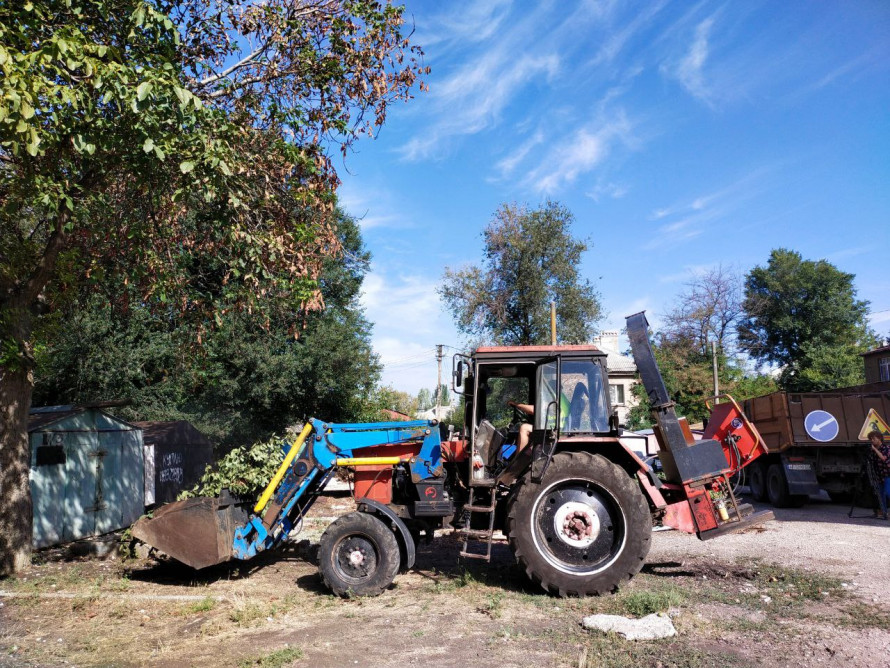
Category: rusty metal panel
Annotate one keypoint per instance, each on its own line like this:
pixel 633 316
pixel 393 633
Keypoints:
pixel 855 410
pixel 769 414
pixel 198 532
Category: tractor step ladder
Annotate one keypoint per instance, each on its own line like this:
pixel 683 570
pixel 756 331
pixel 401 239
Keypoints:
pixel 481 507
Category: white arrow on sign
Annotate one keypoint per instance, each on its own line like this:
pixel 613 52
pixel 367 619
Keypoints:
pixel 821 425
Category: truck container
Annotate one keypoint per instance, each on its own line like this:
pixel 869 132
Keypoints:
pixel 815 440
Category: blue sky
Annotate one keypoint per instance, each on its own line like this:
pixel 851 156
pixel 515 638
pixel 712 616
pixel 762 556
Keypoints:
pixel 681 135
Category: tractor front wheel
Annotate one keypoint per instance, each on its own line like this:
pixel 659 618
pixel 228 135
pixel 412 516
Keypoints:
pixel 358 555
pixel 584 529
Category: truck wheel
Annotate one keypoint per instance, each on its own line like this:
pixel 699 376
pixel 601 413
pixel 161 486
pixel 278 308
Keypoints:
pixel 583 530
pixel 777 486
pixel 757 481
pixel 358 555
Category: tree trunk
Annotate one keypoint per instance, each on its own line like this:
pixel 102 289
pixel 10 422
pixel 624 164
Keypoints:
pixel 17 305
pixel 16 387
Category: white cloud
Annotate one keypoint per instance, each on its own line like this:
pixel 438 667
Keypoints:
pixel 372 211
pixel 408 323
pixel 472 99
pixel 609 189
pixel 578 154
pixel 468 22
pixel 617 318
pixel 844 253
pixel 689 272
pixel 508 164
pixel 619 37
pixel 689 70
pixel 683 221
pixel 408 299
pixel 371 222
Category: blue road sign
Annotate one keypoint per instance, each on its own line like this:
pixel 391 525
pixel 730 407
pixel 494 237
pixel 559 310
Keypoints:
pixel 821 425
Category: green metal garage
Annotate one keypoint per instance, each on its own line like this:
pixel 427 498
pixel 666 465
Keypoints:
pixel 87 473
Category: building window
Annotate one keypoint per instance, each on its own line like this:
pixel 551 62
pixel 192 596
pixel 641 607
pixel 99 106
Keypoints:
pixel 616 394
pixel 884 365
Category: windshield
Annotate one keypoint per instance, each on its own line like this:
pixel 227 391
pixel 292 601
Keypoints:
pixel 580 396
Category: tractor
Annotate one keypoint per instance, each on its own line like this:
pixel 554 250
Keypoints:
pixel 576 505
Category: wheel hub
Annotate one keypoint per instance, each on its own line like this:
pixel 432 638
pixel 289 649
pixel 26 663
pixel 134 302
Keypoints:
pixel 356 558
pixel 576 524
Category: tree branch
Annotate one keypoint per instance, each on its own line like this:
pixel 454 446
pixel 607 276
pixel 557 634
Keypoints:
pixel 241 63
pixel 47 264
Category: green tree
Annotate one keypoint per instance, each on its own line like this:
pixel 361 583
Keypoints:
pixel 164 143
pixel 385 399
pixel 705 314
pixel 249 381
pixel 804 316
pixel 443 394
pixel 530 259
pixel 424 399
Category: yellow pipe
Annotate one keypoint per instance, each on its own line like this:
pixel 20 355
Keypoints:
pixel 285 465
pixel 368 461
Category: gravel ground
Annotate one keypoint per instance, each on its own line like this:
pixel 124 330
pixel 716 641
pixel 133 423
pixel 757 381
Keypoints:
pixel 818 536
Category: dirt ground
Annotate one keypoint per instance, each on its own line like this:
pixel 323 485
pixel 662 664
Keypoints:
pixel 807 589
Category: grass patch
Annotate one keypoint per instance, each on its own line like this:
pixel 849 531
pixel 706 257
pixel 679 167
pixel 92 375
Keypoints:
pixel 206 604
pixel 790 583
pixel 448 583
pixel 245 612
pixel 276 659
pixel 607 651
pixel 80 602
pixel 646 602
pixel 493 605
pixel 864 616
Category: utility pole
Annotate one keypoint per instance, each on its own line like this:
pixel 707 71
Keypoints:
pixel 552 323
pixel 439 380
pixel 714 358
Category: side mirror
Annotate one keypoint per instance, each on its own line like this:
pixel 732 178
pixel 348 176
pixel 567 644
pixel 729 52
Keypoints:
pixel 460 373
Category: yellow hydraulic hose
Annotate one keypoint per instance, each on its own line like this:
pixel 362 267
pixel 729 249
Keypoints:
pixel 292 453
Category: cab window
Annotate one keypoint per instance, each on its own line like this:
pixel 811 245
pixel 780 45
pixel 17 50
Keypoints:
pixel 579 394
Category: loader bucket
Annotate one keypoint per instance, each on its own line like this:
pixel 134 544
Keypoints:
pixel 198 532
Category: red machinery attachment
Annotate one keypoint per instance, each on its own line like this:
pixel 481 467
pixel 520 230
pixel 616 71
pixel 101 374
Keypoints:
pixel 698 495
pixel 740 439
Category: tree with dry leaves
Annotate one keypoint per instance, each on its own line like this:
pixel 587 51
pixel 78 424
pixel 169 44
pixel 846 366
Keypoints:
pixel 182 149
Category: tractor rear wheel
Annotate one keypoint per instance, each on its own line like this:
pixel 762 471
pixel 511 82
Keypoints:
pixel 358 555
pixel 583 530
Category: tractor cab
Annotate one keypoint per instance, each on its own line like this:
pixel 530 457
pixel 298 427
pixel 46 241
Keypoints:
pixel 522 400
